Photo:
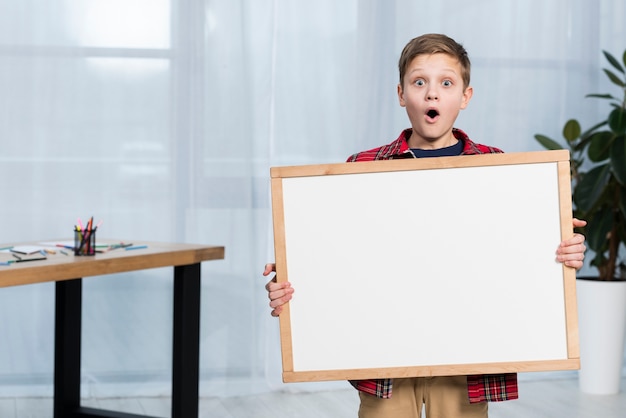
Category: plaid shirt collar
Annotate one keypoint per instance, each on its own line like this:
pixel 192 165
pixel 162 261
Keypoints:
pixel 400 148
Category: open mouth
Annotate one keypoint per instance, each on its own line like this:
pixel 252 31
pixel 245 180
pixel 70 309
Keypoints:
pixel 432 113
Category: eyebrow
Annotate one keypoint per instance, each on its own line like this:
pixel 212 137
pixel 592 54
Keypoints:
pixel 447 70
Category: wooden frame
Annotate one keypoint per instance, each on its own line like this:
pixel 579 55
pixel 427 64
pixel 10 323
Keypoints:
pixel 424 267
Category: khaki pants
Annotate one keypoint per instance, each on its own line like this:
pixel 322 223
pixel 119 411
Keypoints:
pixel 443 397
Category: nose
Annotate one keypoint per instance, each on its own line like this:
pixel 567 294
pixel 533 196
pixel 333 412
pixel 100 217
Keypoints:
pixel 432 94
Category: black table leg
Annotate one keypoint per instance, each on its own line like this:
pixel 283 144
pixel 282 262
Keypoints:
pixel 67 339
pixel 186 350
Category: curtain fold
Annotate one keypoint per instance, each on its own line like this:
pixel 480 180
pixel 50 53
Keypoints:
pixel 163 118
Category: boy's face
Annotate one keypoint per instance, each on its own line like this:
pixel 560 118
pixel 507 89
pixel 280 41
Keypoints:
pixel 433 94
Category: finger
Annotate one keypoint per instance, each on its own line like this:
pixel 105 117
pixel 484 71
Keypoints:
pixel 573 256
pixel 576 252
pixel 571 247
pixel 576 239
pixel 577 264
pixel 276 302
pixel 575 260
pixel 273 286
pixel 280 295
pixel 269 267
pixel 277 311
pixel 579 223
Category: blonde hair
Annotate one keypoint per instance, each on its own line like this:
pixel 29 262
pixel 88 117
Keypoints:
pixel 434 43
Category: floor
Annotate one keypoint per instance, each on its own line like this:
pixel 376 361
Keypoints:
pixel 545 398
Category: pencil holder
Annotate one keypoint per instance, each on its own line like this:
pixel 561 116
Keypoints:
pixel 84 242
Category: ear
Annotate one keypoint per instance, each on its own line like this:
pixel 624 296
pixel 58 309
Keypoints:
pixel 467 95
pixel 401 95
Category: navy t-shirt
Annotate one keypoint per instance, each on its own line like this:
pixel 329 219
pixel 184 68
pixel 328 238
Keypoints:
pixel 450 151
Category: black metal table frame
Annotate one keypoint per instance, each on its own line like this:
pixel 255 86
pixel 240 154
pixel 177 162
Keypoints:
pixel 186 348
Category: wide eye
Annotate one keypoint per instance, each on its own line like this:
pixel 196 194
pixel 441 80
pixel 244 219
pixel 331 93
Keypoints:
pixel 420 82
pixel 446 83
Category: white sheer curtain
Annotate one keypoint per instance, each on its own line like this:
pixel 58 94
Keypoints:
pixel 162 119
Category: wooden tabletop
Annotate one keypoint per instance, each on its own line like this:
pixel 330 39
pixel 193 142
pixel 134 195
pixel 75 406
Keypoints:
pixel 60 266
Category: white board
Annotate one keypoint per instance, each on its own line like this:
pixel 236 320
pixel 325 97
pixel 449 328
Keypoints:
pixel 425 267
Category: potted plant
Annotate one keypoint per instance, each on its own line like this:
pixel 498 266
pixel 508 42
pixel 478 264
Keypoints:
pixel 598 165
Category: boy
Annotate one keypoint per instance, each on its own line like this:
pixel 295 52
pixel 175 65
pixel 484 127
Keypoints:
pixel 434 87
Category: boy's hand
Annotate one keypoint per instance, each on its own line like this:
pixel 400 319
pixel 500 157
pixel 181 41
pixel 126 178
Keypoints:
pixel 571 252
pixel 278 293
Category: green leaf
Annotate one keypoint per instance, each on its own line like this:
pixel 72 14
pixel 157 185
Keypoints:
pixel 591 187
pixel 614 79
pixel 586 136
pixel 615 63
pixel 548 143
pixel 602 96
pixel 571 130
pixel 597 230
pixel 600 146
pixel 617 120
pixel 618 159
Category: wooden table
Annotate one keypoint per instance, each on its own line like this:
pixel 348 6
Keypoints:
pixel 69 270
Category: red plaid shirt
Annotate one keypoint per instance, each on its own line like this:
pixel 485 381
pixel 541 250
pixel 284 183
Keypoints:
pixel 480 388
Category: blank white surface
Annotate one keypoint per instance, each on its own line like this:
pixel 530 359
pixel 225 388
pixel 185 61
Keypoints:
pixel 425 267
